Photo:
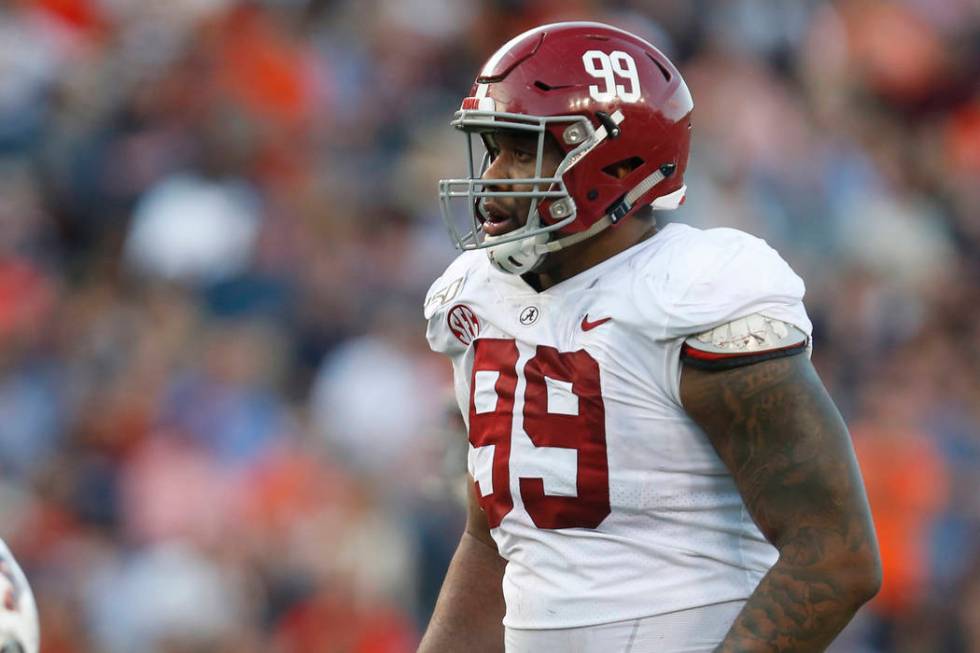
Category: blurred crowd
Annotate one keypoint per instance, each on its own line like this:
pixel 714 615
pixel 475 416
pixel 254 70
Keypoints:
pixel 220 426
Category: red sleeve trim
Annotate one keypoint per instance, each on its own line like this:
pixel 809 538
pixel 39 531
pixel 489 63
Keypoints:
pixel 688 351
pixel 715 361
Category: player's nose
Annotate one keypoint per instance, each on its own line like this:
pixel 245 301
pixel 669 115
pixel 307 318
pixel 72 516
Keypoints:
pixel 497 174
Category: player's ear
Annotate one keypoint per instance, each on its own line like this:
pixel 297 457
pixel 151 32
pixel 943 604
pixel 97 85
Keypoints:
pixel 621 171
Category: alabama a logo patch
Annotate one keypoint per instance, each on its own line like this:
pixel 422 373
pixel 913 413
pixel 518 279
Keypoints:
pixel 530 315
pixel 463 323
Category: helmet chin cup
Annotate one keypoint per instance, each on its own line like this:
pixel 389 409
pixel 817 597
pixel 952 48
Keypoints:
pixel 517 256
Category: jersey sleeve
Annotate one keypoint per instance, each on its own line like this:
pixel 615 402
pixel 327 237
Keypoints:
pixel 732 275
pixel 718 277
pixel 439 300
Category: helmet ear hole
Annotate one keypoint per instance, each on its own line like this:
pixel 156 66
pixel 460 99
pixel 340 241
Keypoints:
pixel 624 167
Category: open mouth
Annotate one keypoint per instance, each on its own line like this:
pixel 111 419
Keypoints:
pixel 496 222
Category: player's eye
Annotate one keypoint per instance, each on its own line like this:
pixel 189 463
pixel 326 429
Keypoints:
pixel 523 156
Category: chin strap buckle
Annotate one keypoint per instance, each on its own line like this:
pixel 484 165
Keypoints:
pixel 623 206
pixel 619 211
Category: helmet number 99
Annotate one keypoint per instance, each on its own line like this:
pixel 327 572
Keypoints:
pixel 612 68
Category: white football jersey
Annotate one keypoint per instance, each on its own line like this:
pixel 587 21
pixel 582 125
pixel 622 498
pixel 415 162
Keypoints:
pixel 604 497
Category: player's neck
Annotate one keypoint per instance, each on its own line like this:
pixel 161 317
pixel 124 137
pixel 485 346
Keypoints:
pixel 566 263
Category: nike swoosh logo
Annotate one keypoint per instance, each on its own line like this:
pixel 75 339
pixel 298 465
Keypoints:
pixel 588 326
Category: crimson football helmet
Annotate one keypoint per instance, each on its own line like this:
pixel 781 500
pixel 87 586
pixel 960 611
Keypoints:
pixel 611 100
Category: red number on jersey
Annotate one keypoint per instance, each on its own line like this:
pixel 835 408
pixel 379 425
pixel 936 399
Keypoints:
pixel 584 431
pixel 493 428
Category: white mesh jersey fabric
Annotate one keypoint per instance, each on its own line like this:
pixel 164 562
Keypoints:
pixel 606 420
pixel 697 630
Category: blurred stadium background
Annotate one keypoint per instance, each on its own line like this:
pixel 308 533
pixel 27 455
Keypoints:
pixel 220 426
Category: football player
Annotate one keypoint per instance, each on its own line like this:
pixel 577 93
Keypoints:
pixel 19 632
pixel 654 464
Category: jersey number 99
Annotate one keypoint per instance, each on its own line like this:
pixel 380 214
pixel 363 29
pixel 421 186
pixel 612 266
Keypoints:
pixel 584 431
pixel 612 69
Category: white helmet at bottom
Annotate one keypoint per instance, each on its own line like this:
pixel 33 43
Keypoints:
pixel 19 629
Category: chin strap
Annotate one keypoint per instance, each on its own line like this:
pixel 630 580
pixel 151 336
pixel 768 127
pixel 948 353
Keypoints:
pixel 561 243
pixel 617 213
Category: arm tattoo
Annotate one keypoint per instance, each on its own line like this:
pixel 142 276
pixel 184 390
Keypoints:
pixel 778 431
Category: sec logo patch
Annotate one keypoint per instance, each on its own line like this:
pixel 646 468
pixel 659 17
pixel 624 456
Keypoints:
pixel 462 321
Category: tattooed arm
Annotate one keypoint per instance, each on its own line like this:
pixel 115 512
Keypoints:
pixel 778 431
